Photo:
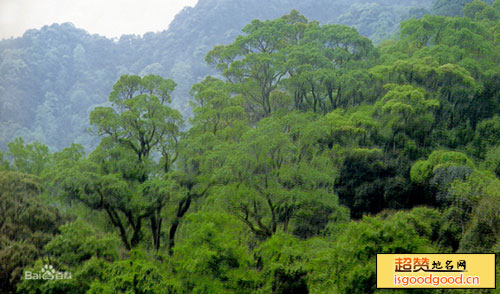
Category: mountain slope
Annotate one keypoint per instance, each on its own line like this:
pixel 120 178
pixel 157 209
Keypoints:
pixel 51 78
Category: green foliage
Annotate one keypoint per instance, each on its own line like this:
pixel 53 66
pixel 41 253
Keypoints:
pixel 282 259
pixel 121 176
pixel 492 160
pixel 214 110
pixel 423 170
pixel 487 135
pixel 139 274
pixel 139 119
pixel 335 267
pixel 79 242
pixel 29 158
pixel 290 52
pixel 80 250
pixel 482 233
pixel 26 225
pixel 312 152
pixel 409 115
pixel 480 10
pixel 213 256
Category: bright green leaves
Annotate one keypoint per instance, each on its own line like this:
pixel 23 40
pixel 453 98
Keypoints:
pixel 344 262
pixel 139 119
pixel 319 79
pixel 463 33
pixel 492 160
pixel 487 135
pixel 30 158
pixel 215 110
pixel 123 176
pixel 255 63
pixel 409 115
pixel 455 61
pixel 422 170
pixel 139 274
pixel 78 242
pixel 80 250
pixel 301 62
pixel 213 257
pixel 276 173
pixel 479 202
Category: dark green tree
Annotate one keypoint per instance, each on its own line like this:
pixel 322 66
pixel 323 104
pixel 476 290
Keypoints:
pixel 123 177
pixel 26 225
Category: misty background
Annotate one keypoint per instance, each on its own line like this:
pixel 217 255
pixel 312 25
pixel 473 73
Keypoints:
pixel 52 77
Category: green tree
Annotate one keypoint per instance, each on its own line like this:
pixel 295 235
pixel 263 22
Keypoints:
pixel 492 160
pixel 26 225
pixel 122 177
pixel 78 249
pixel 324 65
pixel 409 116
pixel 256 63
pixel 333 267
pixel 479 10
pixel 140 273
pixel 367 183
pixel 30 158
pixel 215 110
pixel 213 255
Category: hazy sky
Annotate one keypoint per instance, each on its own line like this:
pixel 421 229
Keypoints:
pixel 110 18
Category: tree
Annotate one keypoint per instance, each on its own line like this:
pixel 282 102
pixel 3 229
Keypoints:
pixel 79 249
pixel 492 160
pixel 214 256
pixel 322 67
pixel 256 63
pixel 480 10
pixel 409 116
pixel 482 232
pixel 334 267
pixel 215 110
pixel 449 7
pixel 290 57
pixel 122 176
pixel 140 120
pixel 29 158
pixel 26 225
pixel 138 274
pixel 275 174
pixel 367 183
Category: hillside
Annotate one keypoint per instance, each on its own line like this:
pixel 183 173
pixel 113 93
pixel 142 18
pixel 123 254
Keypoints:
pixel 51 78
pixel 310 150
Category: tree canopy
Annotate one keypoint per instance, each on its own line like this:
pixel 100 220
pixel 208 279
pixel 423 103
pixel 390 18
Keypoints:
pixel 309 151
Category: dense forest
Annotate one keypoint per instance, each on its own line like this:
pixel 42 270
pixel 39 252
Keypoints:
pixel 307 148
pixel 59 73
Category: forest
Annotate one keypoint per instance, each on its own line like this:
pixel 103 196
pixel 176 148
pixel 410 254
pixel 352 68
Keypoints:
pixel 307 147
pixel 59 73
